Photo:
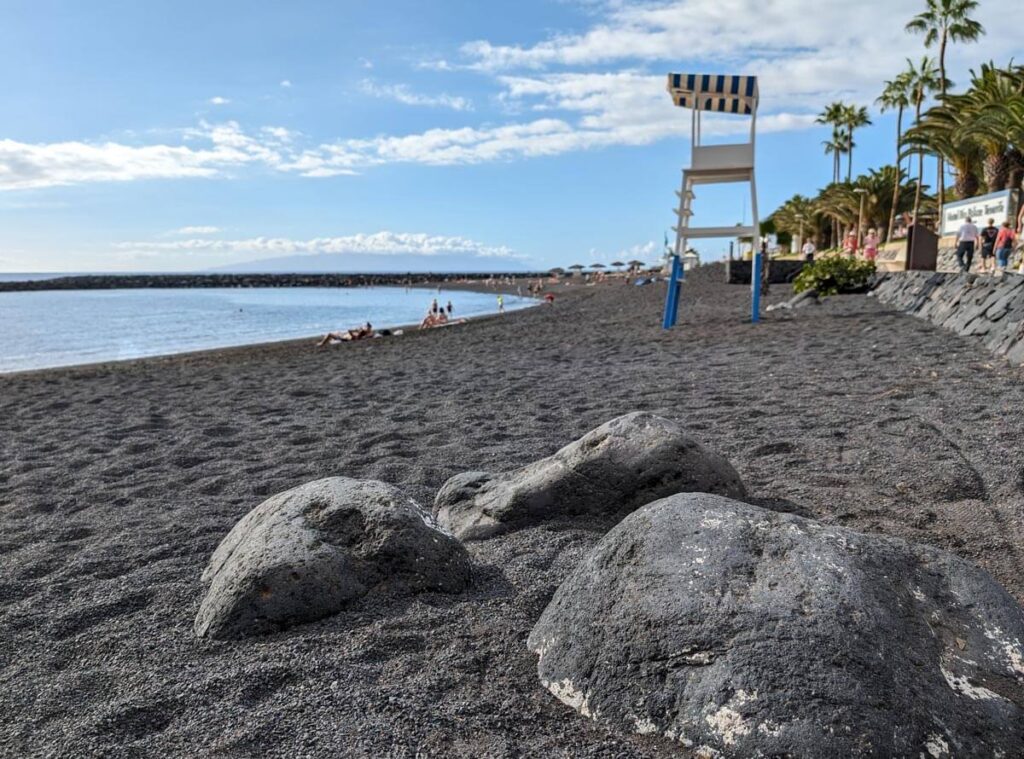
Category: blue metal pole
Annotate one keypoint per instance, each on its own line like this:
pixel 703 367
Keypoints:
pixel 755 289
pixel 672 297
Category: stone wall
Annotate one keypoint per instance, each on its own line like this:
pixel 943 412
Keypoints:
pixel 779 272
pixel 134 281
pixel 979 307
pixel 947 256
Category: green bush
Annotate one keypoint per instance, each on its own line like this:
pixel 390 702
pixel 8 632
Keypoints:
pixel 834 275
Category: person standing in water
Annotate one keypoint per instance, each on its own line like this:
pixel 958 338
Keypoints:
pixel 449 308
pixel 501 304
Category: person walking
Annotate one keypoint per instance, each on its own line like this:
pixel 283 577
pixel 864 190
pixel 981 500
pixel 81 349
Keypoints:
pixel 809 250
pixel 501 304
pixel 988 237
pixel 871 245
pixel 1004 246
pixel 850 244
pixel 966 238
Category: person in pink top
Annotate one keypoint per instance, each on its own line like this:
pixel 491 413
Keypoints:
pixel 850 244
pixel 1004 245
pixel 871 245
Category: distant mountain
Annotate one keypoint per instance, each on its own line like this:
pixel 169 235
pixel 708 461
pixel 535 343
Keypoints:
pixel 360 263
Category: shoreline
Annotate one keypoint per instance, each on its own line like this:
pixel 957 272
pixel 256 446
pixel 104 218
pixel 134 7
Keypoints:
pixel 407 329
pixel 195 281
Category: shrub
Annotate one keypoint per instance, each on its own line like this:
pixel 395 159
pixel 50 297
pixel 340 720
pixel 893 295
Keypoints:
pixel 834 275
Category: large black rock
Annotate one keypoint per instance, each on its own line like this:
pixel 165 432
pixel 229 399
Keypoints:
pixel 747 632
pixel 613 469
pixel 306 553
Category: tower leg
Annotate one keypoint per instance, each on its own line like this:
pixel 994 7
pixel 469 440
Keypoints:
pixel 755 286
pixel 755 275
pixel 672 297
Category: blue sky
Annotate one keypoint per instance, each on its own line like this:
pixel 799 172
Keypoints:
pixel 185 135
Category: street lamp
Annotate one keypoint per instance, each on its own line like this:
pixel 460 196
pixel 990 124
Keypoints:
pixel 860 216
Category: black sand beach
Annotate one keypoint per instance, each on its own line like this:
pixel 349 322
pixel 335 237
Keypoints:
pixel 118 481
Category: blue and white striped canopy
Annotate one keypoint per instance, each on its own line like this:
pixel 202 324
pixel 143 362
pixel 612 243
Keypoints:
pixel 721 93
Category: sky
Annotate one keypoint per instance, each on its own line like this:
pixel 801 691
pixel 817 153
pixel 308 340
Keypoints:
pixel 181 136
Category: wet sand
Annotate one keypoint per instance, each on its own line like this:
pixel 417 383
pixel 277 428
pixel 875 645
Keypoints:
pixel 117 481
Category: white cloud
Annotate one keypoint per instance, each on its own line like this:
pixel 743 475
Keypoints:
pixel 286 83
pixel 804 51
pixel 403 94
pixel 365 63
pixel 279 134
pixel 200 230
pixel 377 243
pixel 218 100
pixel 27 166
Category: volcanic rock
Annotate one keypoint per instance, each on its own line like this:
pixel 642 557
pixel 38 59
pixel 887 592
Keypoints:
pixel 739 631
pixel 612 470
pixel 306 553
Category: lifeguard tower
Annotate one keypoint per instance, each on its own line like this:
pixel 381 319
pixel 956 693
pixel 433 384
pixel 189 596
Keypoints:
pixel 714 164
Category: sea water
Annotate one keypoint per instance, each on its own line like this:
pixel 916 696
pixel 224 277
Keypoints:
pixel 63 327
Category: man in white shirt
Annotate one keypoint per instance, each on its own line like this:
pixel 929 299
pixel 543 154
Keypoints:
pixel 809 250
pixel 965 241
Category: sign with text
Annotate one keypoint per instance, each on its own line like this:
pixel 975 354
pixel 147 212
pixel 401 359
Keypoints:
pixel 892 257
pixel 999 206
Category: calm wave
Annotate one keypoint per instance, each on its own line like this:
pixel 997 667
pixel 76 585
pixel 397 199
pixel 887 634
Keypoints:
pixel 60 328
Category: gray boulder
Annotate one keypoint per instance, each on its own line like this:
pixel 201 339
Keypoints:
pixel 744 632
pixel 306 553
pixel 612 470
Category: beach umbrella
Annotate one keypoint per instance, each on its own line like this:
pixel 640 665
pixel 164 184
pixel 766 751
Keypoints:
pixel 618 264
pixel 556 271
pixel 634 264
pixel 578 267
pixel 598 266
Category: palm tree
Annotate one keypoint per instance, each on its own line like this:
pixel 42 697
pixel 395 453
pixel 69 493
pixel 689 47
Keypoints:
pixel 948 134
pixel 885 194
pixel 796 215
pixel 988 106
pixel 854 117
pixel 942 22
pixel 922 81
pixel 895 95
pixel 834 114
pixel 836 147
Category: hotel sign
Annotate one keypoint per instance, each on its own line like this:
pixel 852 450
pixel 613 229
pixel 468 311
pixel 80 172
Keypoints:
pixel 999 206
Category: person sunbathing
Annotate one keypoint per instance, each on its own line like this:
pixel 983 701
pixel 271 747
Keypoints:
pixel 434 320
pixel 359 333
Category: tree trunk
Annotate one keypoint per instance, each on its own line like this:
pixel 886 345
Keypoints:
pixel 849 156
pixel 942 84
pixel 966 183
pixel 997 171
pixel 1015 174
pixel 899 172
pixel 920 164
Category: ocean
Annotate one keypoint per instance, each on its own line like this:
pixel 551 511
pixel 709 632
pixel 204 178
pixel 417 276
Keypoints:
pixel 64 327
